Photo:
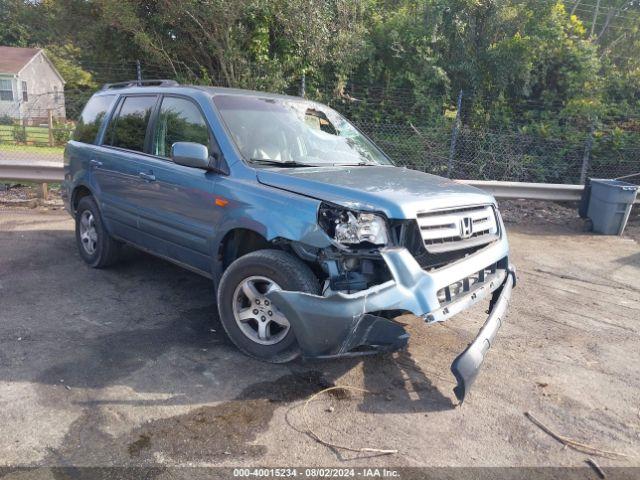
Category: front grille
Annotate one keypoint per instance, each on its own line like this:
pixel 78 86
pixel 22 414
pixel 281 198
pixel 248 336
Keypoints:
pixel 458 228
pixel 435 238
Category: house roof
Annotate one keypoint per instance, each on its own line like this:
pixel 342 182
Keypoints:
pixel 14 59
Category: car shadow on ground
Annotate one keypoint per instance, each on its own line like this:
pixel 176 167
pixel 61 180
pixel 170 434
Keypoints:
pixel 105 345
pixel 139 334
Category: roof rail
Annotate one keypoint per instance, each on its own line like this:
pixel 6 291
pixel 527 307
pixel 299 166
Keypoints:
pixel 156 82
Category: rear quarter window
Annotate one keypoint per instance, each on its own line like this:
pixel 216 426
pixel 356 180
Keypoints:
pixel 91 118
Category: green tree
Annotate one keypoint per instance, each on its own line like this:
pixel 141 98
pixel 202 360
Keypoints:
pixel 66 60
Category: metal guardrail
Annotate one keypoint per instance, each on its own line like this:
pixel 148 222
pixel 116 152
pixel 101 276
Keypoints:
pixel 529 191
pixel 51 172
pixel 41 172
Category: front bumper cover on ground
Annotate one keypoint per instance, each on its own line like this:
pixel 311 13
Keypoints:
pixel 467 365
pixel 346 324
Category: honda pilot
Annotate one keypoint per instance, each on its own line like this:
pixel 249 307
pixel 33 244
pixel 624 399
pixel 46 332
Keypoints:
pixel 314 240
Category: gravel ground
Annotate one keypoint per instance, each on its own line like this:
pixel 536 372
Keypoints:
pixel 20 197
pixel 129 366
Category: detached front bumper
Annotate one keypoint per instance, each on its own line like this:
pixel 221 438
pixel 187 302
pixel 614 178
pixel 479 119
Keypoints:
pixel 467 365
pixel 346 324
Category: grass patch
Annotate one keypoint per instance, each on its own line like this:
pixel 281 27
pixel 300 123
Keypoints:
pixel 5 147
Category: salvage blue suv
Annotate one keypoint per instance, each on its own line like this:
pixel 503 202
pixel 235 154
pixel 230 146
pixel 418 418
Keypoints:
pixel 314 240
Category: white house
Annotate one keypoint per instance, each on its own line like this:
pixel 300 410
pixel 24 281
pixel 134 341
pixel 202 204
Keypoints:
pixel 30 86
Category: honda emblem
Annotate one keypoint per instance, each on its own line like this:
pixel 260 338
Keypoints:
pixel 466 227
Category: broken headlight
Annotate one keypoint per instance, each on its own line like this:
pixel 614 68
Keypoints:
pixel 350 227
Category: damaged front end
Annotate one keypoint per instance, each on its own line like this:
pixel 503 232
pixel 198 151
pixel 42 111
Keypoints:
pixel 374 284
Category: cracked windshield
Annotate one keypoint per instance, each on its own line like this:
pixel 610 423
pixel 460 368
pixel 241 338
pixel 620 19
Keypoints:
pixel 276 131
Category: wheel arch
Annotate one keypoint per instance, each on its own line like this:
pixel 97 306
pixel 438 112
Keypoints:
pixel 79 191
pixel 238 242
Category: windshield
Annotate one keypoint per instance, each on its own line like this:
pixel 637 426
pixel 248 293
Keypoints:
pixel 294 132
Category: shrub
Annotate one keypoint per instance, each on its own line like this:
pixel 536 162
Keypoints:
pixel 20 134
pixel 6 120
pixel 62 133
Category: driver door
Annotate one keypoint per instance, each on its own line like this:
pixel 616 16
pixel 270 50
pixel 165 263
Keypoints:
pixel 178 221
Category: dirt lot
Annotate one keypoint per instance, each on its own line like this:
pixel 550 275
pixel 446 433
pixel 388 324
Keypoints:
pixel 129 366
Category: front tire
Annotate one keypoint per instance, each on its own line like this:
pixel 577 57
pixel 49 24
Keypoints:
pixel 96 246
pixel 252 323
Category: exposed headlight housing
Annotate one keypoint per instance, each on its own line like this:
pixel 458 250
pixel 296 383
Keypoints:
pixel 350 227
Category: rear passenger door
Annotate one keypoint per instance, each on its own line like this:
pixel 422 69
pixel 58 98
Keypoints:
pixel 120 167
pixel 177 220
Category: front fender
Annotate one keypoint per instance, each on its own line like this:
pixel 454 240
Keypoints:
pixel 271 212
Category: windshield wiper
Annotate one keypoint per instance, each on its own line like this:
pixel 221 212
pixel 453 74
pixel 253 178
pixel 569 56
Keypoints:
pixel 280 163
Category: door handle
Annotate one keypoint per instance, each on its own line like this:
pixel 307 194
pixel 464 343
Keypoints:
pixel 149 177
pixel 95 163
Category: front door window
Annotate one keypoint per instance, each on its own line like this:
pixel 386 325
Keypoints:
pixel 180 120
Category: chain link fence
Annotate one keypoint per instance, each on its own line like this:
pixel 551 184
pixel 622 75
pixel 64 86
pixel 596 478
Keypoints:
pixel 486 155
pixel 506 156
pixel 440 145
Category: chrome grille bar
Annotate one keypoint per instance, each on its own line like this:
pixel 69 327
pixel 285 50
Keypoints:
pixel 458 228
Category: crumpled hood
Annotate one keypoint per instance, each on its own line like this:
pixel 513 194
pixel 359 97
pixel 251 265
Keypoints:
pixel 395 191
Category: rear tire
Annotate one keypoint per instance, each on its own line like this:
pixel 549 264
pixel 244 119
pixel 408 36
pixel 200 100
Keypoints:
pixel 265 335
pixel 95 245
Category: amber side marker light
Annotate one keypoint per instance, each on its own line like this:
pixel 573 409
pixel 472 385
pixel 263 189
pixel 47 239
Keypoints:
pixel 221 202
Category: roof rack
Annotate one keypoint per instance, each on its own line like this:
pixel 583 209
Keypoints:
pixel 157 82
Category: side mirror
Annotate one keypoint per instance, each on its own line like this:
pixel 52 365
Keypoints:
pixel 190 154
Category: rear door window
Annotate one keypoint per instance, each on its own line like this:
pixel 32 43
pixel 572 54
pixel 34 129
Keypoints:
pixel 128 128
pixel 91 118
pixel 179 120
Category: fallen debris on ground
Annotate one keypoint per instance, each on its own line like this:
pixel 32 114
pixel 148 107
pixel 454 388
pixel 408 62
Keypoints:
pixel 580 447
